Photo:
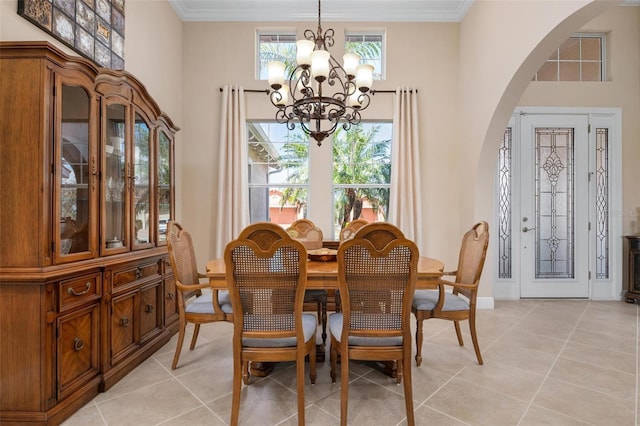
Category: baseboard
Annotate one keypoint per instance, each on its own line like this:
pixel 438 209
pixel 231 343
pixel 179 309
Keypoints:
pixel 485 303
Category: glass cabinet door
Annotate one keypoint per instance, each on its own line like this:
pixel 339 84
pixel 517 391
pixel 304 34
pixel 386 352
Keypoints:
pixel 164 186
pixel 141 183
pixel 115 179
pixel 76 177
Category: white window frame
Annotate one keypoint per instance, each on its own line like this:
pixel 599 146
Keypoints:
pixel 603 60
pixel 278 32
pixel 320 186
pixel 383 53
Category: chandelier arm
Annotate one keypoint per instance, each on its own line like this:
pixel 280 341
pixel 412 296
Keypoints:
pixel 309 102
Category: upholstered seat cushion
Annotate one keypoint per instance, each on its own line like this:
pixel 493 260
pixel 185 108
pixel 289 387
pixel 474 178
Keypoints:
pixel 426 300
pixel 335 326
pixel 309 325
pixel 204 304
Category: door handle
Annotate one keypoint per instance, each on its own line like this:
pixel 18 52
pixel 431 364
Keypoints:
pixel 525 229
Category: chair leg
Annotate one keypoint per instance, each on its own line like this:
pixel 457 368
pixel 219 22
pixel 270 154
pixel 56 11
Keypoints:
pixel 399 370
pixel 333 356
pixel 196 330
pixel 312 363
pixel 408 390
pixel 458 332
pixel 419 339
pixel 237 388
pixel 181 333
pixel 474 338
pixel 344 386
pixel 324 321
pixel 300 386
pixel 245 372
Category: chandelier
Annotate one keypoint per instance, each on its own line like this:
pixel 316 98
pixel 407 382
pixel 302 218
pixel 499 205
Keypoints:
pixel 320 94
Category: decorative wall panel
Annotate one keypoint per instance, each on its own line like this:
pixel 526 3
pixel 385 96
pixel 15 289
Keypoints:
pixel 93 28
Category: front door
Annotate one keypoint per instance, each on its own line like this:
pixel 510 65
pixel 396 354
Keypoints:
pixel 554 212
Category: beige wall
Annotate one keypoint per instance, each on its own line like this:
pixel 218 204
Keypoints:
pixel 153 51
pixel 432 70
pixel 533 29
pixel 469 75
pixel 621 90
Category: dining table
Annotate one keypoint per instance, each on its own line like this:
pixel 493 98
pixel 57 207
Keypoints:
pixel 324 275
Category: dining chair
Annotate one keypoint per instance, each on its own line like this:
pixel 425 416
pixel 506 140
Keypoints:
pixel 347 233
pixel 459 304
pixel 350 230
pixel 194 305
pixel 266 275
pixel 377 276
pixel 305 231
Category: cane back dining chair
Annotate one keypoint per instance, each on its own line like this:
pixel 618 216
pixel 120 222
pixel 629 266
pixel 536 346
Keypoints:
pixel 377 272
pixel 350 230
pixel 347 233
pixel 194 305
pixel 266 276
pixel 459 304
pixel 305 231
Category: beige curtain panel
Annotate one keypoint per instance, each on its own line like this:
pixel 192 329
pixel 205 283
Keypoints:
pixel 232 201
pixel 405 199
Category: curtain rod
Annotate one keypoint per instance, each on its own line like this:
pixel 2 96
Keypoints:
pixel 373 92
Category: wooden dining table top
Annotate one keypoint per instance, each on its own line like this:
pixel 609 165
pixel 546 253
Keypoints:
pixel 324 275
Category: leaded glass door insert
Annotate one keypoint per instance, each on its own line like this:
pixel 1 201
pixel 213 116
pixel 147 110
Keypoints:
pixel 555 205
pixel 554 183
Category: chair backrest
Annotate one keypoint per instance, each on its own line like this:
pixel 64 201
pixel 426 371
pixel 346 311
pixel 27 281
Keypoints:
pixel 472 254
pixel 377 278
pixel 266 275
pixel 181 254
pixel 305 231
pixel 350 230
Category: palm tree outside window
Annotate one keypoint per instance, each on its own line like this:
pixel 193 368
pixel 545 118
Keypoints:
pixel 280 180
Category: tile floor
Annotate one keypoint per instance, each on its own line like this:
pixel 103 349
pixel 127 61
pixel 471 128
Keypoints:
pixel 545 363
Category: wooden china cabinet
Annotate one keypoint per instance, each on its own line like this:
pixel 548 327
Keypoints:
pixel 86 187
pixel 633 284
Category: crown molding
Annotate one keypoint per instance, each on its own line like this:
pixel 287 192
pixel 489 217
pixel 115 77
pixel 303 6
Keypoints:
pixel 332 10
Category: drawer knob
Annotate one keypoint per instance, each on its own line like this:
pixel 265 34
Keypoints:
pixel 170 296
pixel 124 322
pixel 148 308
pixel 87 286
pixel 78 344
pixel 138 273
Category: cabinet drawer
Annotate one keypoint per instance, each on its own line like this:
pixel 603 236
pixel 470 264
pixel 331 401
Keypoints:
pixel 77 291
pixel 132 274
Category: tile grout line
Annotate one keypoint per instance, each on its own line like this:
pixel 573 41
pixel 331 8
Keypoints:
pixel 546 376
pixel 424 403
pixel 203 404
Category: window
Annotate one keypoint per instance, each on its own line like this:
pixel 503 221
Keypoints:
pixel 504 205
pixel 361 174
pixel 282 183
pixel 276 46
pixel 580 58
pixel 370 47
pixel 278 173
